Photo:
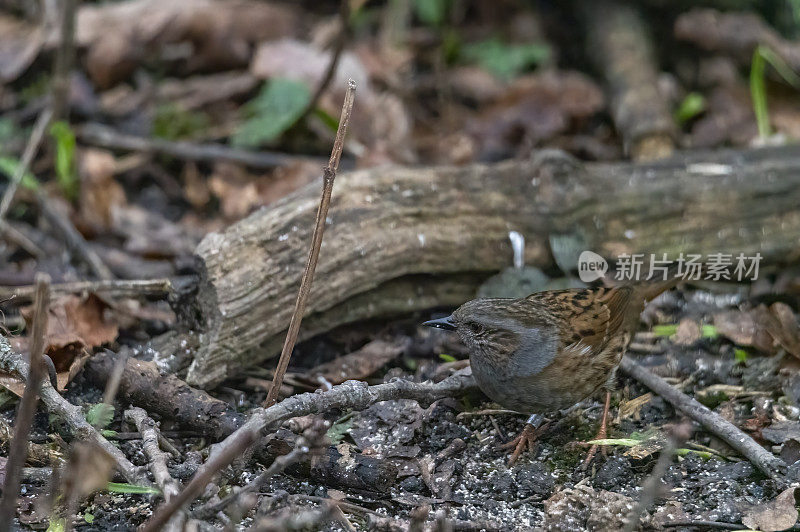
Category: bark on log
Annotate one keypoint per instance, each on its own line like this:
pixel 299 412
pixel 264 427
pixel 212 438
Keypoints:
pixel 396 233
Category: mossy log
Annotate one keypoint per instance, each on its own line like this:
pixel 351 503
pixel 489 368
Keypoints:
pixel 401 239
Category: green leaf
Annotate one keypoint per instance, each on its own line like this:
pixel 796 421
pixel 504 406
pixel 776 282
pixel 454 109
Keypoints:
pixel 692 105
pixel 431 12
pixel 66 173
pixel 339 429
pixel 89 518
pixel 278 106
pixel 447 358
pixel 8 129
pixel 330 121
pixel 758 93
pixel 9 165
pixel 665 330
pixel 100 415
pixel 503 60
pixel 708 331
pixel 121 487
pixel 172 123
pixel 57 524
pixel 740 355
pixel 109 434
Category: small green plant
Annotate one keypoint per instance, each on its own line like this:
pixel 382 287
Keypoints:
pixel 57 524
pixel 118 487
pixel 447 358
pixel 9 165
pixel 690 107
pixel 172 123
pixel 762 56
pixel 277 107
pixel 740 356
pixel 66 171
pixel 100 415
pixel 432 12
pixel 340 428
pixel 505 61
pixel 706 331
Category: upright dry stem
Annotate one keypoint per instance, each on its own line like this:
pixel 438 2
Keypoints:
pixel 27 407
pixel 329 176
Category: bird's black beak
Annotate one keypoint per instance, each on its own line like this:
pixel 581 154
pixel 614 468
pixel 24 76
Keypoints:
pixel 442 323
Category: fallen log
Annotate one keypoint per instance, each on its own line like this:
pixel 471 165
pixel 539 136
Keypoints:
pixel 621 45
pixel 406 239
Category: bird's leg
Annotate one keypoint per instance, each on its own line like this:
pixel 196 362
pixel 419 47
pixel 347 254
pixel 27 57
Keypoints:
pixel 526 439
pixel 601 434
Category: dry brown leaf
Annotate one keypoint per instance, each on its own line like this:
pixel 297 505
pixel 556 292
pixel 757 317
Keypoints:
pixel 380 121
pixel 89 469
pixel 99 190
pixel 358 364
pixel 239 192
pixel 766 329
pixel 301 61
pixel 687 333
pixel 79 321
pixel 120 35
pixel 535 108
pixel 632 408
pixel 777 514
pixel 75 325
pixel 19 45
pixel 150 234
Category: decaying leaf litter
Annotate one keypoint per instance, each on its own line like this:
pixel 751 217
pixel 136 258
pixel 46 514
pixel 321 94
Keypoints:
pixel 186 117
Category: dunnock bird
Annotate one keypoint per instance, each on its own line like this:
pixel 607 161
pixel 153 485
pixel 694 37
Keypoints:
pixel 550 350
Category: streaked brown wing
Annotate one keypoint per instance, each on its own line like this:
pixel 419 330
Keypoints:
pixel 586 318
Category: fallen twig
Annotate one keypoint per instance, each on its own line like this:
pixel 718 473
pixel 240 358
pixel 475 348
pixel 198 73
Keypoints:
pixel 18 450
pixel 765 461
pixel 12 362
pixel 166 395
pixel 158 459
pixel 650 486
pixel 27 156
pixel 276 467
pixel 354 395
pixel 338 48
pixel 106 137
pixel 72 237
pixel 329 175
pixel 112 287
pixel 63 61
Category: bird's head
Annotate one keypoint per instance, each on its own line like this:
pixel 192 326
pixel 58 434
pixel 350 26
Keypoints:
pixel 493 329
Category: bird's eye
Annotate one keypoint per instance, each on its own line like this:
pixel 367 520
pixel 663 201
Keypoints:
pixel 477 329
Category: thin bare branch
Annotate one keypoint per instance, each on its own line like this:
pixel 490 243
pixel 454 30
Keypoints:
pixel 63 61
pixel 765 461
pixel 200 480
pixel 74 240
pixel 112 287
pixel 18 450
pixel 70 414
pixel 329 176
pixel 99 135
pixel 338 48
pixel 354 395
pixel 158 460
pixel 27 157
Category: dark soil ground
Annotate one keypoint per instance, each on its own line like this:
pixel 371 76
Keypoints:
pixel 445 459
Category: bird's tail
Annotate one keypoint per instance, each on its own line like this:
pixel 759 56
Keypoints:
pixel 675 274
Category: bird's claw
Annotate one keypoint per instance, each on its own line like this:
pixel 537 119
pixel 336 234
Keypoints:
pixel 526 440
